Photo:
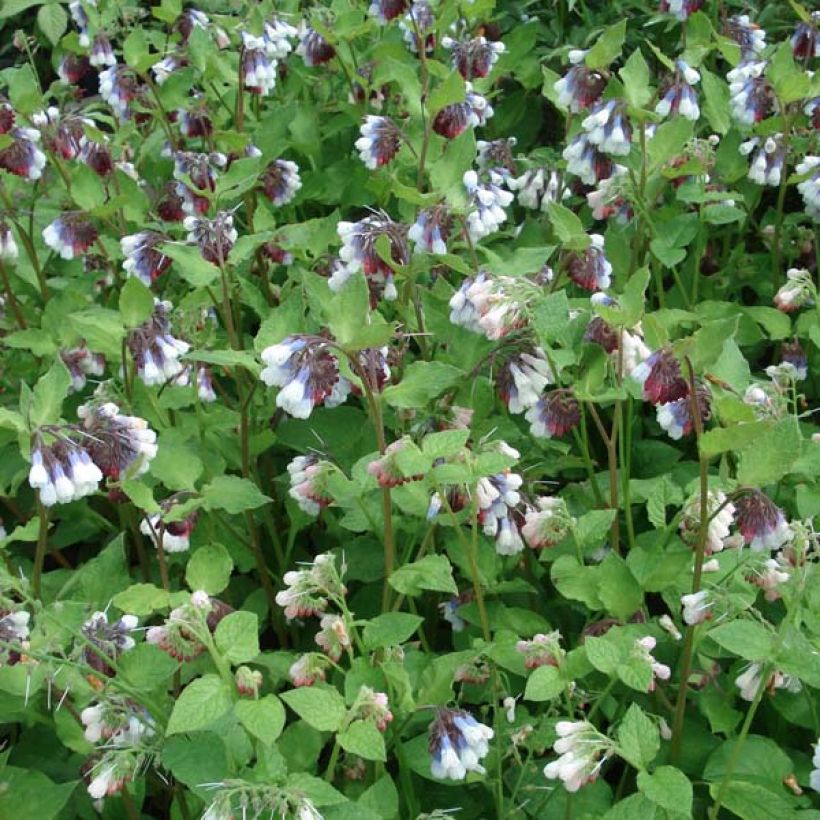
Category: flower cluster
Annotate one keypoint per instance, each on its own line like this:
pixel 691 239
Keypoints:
pixel 307 475
pixel 542 650
pixel 458 743
pixel 309 590
pixel 182 635
pixel 583 751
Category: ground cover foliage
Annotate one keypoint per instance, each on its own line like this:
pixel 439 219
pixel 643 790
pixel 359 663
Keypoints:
pixel 407 409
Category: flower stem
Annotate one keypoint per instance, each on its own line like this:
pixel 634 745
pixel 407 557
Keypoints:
pixel 331 766
pixel 40 550
pixel 700 550
pixel 472 556
pixel 12 300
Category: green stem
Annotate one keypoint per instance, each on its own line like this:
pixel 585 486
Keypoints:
pixel 700 551
pixel 331 766
pixel 40 550
pixel 12 300
pixel 472 556
pixel 777 252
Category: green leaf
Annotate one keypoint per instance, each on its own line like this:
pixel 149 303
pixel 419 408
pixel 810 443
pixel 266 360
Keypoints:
pixel 592 529
pixel 136 302
pixel 233 494
pixel 668 140
pixel 53 21
pixel 617 588
pixel 421 382
pixel 432 572
pixel 135 48
pixel 550 317
pixel 141 496
pixel 638 737
pixel 146 667
pixel 141 599
pixel 575 581
pixel 209 569
pixel 390 629
pixel 176 463
pixel 445 444
pixel 348 311
pixel 382 798
pixel 263 718
pixel 737 437
pixel 773 454
pixel 49 394
pixel 37 341
pixel 320 706
pixel 362 738
pixel 450 91
pixel 545 683
pixel 716 101
pixel 636 77
pixel 190 264
pixel 26 794
pixel 669 788
pixel 746 639
pixel 608 46
pixel 237 637
pixel 568 227
pixel 750 801
pixel 603 653
pixel 201 703
pixel 200 758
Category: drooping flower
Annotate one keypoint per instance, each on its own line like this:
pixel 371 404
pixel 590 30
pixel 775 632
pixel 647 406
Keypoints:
pixel 583 751
pixel 23 156
pixel 761 522
pixel 359 252
pixel 280 181
pixel 101 52
pixel 750 681
pixel 771 576
pixel 585 160
pixel 542 650
pixel 174 536
pixel 660 377
pixel 748 35
pixel 456 118
pixel 307 590
pixel 498 499
pixel 62 472
pixel 458 742
pixel 548 524
pixel 167 66
pixel 721 516
pixel 142 257
pixel 70 234
pixel 8 247
pixel 277 36
pixel 72 68
pixel 643 650
pixel 258 70
pixel 798 290
pixel 666 623
pixel 581 87
pixel 419 27
pixel 608 127
pixel 697 607
pixel 768 159
pixel 810 187
pixel 681 9
pixel 109 639
pixel 196 174
pixel 119 88
pixel 386 10
pixel 333 637
pixel 474 57
pixel 81 363
pixel 679 96
pixel 522 379
pixel 793 355
pixel 752 97
pixel 488 201
pixel 307 476
pixel 537 188
pixel 195 122
pixel 313 48
pixel 307 372
pixel 555 415
pixel 214 237
pixel 180 635
pixel 431 230
pixel 155 351
pixel 308 668
pixel 590 269
pixel 806 38
pixel 675 417
pixel 379 142
pixel 117 443
pixel 609 200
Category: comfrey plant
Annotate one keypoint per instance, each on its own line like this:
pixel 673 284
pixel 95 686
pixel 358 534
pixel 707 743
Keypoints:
pixel 407 409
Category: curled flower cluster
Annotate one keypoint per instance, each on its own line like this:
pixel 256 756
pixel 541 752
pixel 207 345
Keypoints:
pixel 542 650
pixel 721 516
pixel 307 372
pixel 547 524
pixel 309 589
pixel 583 751
pixel 458 743
pixel 484 304
pixel 307 476
pixel 109 640
pixel 182 634
pixel 155 351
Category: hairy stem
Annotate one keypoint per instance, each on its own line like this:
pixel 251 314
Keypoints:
pixel 40 550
